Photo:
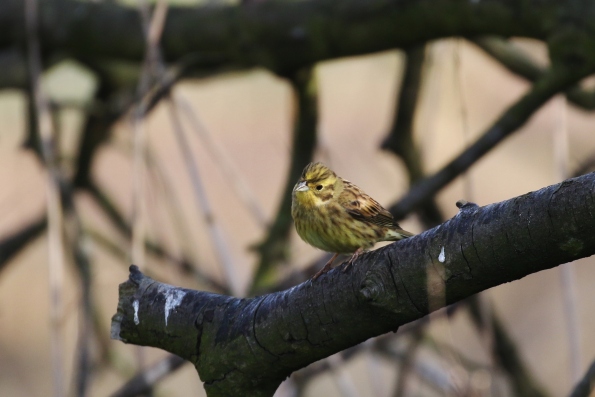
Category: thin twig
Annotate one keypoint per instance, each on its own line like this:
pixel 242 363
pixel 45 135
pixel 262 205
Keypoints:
pixel 458 78
pixel 215 231
pixel 83 264
pixel 163 181
pixel 108 207
pixel 153 30
pixel 154 56
pixel 54 207
pixel 59 220
pixel 109 109
pixel 232 175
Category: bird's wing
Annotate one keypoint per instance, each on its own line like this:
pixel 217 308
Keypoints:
pixel 364 208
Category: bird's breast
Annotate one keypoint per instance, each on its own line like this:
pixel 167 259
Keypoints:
pixel 330 228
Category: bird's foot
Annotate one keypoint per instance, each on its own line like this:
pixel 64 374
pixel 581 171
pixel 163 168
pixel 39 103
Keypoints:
pixel 325 269
pixel 353 258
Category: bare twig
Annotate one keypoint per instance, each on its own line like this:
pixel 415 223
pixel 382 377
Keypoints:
pixel 153 33
pixel 115 215
pixel 202 201
pixel 83 265
pixel 232 175
pixel 54 208
pixel 459 77
pixel 162 180
pixel 110 107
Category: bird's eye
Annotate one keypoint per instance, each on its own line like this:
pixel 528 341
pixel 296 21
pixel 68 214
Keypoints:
pixel 319 187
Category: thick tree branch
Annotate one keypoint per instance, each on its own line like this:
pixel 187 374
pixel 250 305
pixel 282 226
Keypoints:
pixel 282 36
pixel 248 346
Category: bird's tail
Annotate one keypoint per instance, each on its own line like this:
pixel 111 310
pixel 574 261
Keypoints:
pixel 398 234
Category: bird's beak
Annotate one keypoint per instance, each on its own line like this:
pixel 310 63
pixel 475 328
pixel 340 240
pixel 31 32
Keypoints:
pixel 301 187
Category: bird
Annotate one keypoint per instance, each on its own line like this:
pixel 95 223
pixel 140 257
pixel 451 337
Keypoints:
pixel 334 215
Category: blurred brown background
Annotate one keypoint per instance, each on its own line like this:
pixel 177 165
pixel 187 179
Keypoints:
pixel 249 115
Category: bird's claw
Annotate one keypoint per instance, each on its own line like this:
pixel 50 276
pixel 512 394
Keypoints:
pixel 352 259
pixel 322 271
pixel 325 269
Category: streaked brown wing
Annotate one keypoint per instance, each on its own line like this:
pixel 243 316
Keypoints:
pixel 364 208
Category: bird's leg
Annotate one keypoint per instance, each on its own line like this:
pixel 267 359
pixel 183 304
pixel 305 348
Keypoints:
pixel 353 257
pixel 326 267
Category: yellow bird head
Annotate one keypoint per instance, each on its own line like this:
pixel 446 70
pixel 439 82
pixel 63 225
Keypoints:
pixel 317 185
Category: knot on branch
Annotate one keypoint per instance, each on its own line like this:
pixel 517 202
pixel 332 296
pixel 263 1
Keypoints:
pixel 465 205
pixel 371 289
pixel 135 274
pixel 378 287
pixel 570 49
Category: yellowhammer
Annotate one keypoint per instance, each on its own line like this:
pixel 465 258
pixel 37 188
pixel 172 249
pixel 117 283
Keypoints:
pixel 336 216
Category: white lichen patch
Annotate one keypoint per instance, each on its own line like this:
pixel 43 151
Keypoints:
pixel 442 256
pixel 173 298
pixel 135 305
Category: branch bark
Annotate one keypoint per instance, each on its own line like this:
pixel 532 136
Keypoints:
pixel 249 346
